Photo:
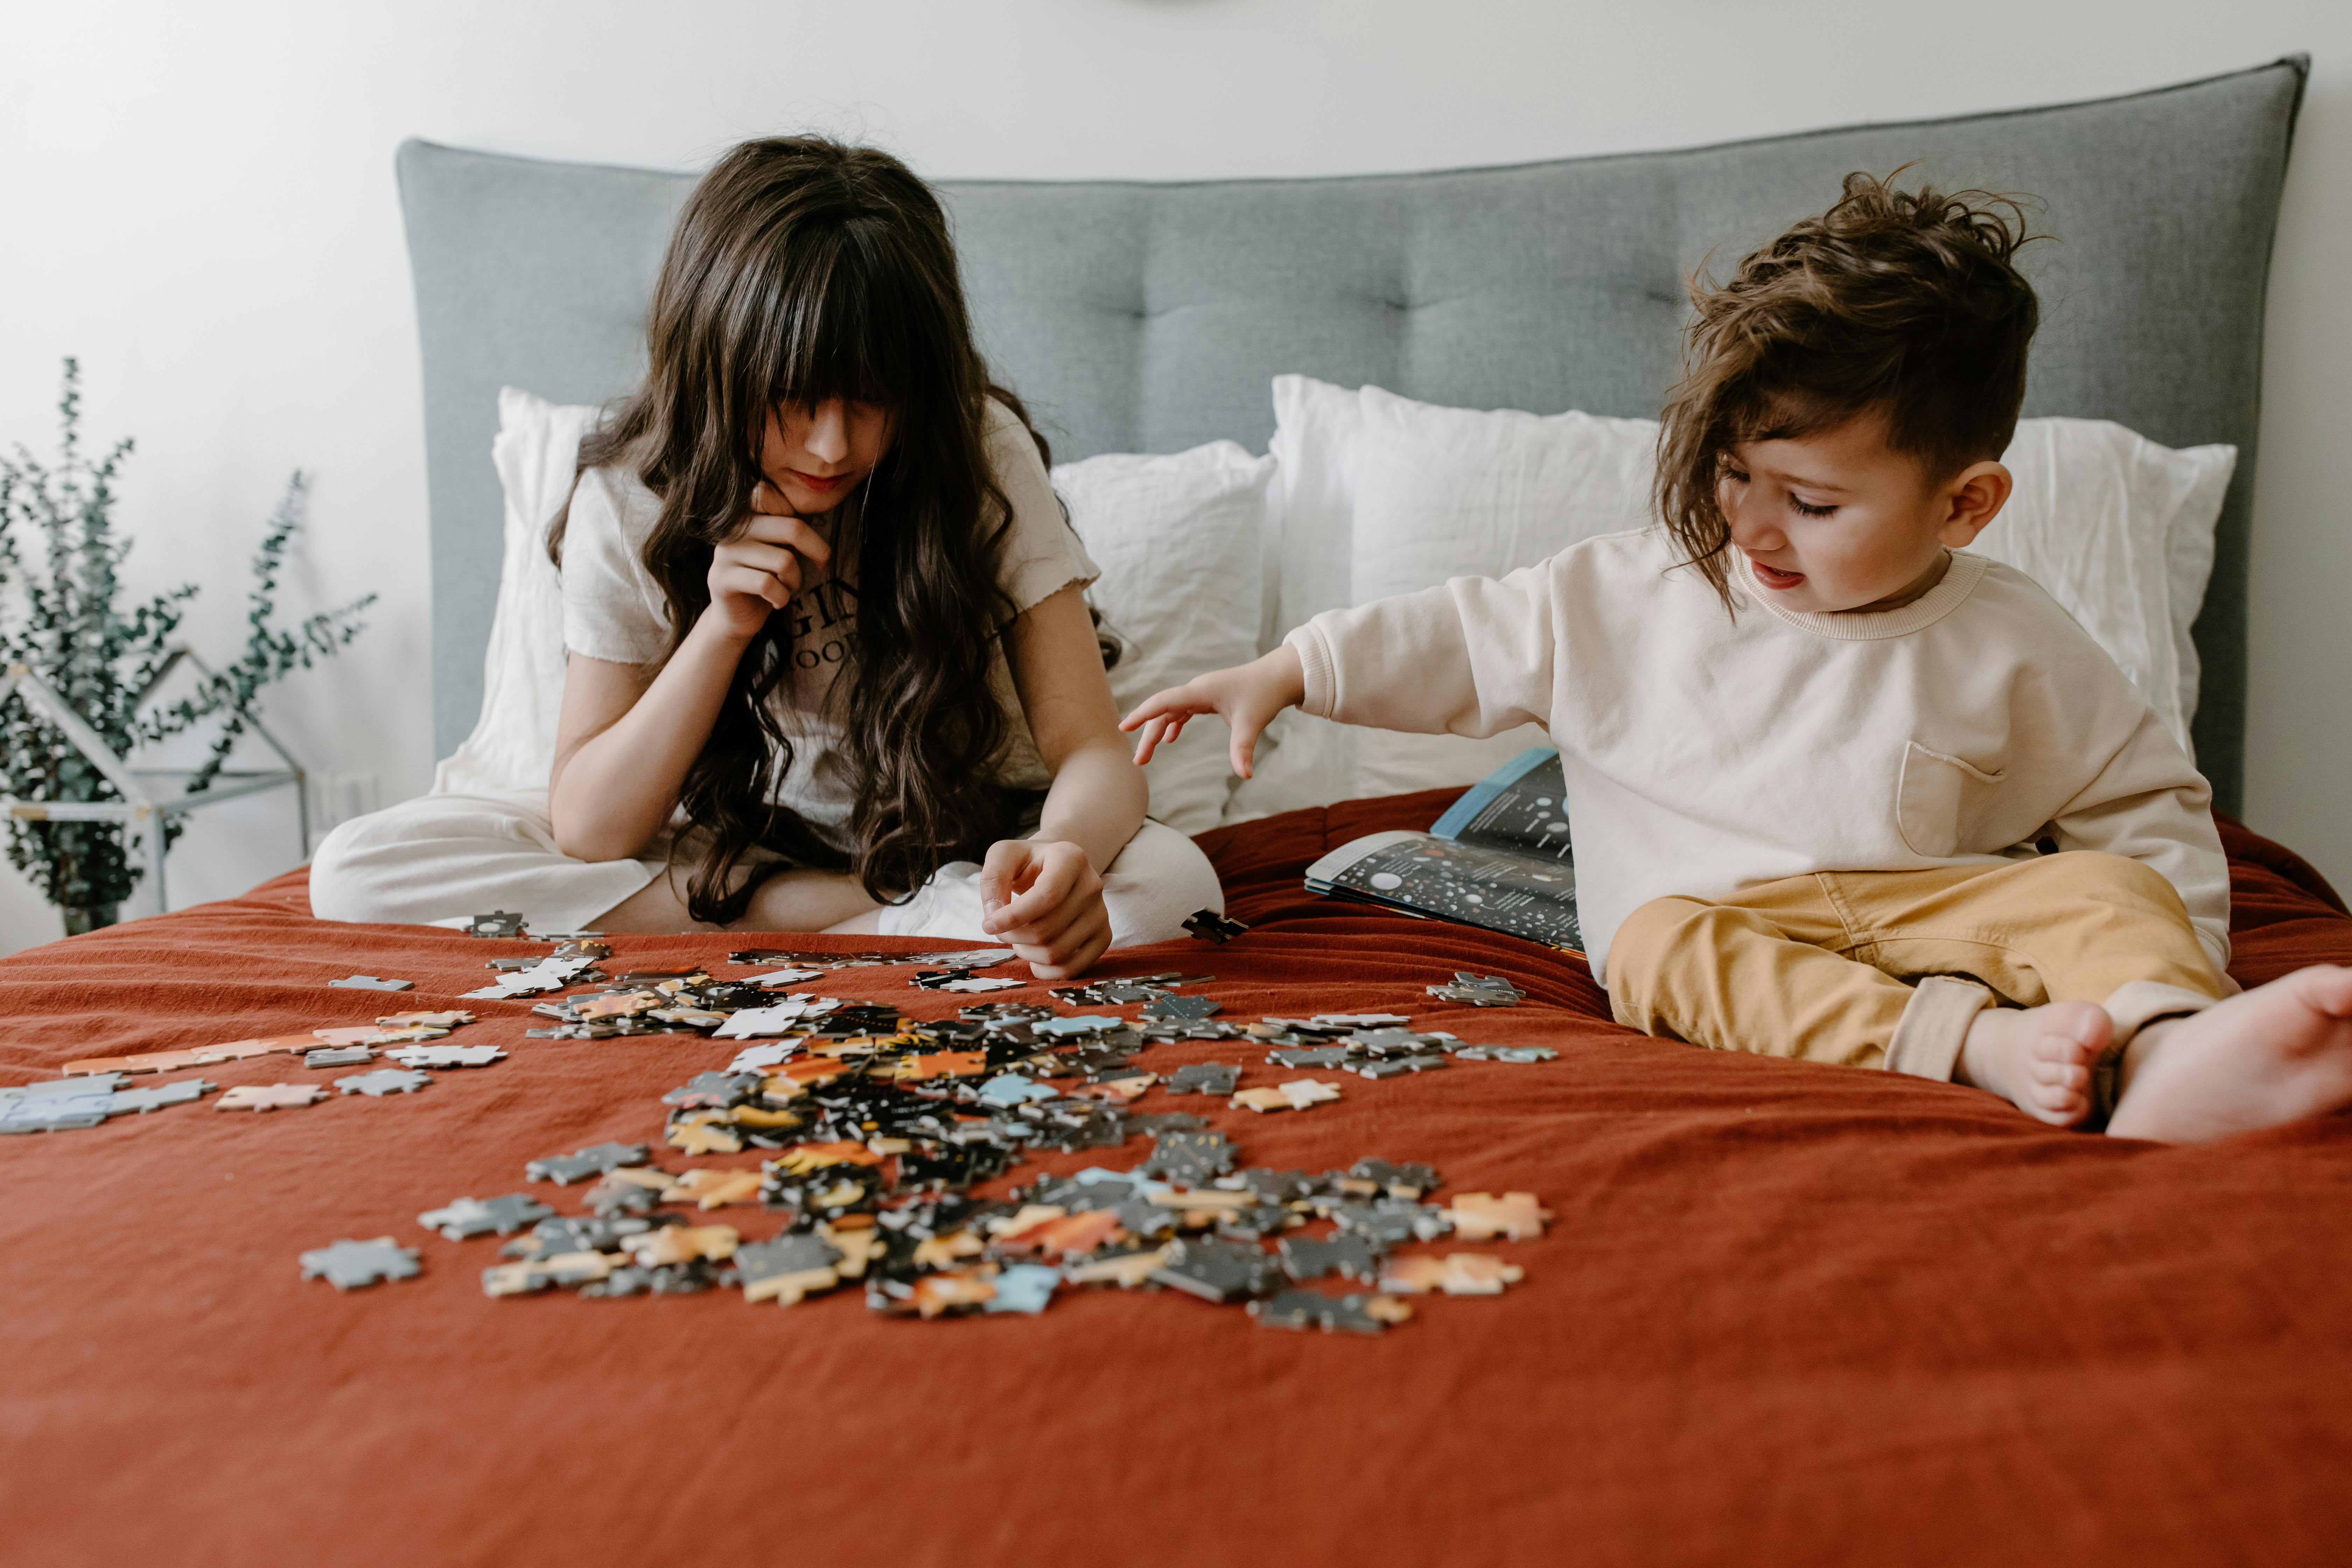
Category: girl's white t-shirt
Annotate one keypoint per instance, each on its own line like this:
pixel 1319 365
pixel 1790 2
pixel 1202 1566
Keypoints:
pixel 613 609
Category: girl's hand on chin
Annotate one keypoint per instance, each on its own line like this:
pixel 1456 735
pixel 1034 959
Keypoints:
pixel 756 570
pixel 1044 900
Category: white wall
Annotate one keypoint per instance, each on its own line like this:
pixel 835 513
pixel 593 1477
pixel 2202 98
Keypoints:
pixel 198 201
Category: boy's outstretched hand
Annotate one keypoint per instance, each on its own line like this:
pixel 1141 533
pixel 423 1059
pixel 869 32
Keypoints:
pixel 1245 697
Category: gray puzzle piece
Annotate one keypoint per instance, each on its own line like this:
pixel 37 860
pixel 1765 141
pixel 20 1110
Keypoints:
pixel 447 1056
pixel 60 1105
pixel 1351 1257
pixel 1204 1077
pixel 556 1237
pixel 338 1057
pixel 1189 1157
pixel 1324 1057
pixel 1184 1008
pixel 1218 1270
pixel 383 1082
pixel 795 1254
pixel 472 1216
pixel 353 1265
pixel 1392 1220
pixel 369 982
pixel 141 1100
pixel 578 1166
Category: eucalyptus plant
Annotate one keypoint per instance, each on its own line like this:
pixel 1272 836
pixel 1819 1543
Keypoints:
pixel 64 615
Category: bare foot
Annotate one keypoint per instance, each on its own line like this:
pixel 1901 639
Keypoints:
pixel 2038 1059
pixel 2276 1054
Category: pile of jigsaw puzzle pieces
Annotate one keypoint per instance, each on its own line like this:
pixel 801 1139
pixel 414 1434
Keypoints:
pixel 879 1125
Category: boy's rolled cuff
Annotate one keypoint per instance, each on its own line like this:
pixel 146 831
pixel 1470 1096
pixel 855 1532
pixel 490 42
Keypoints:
pixel 1319 669
pixel 1934 1026
pixel 2134 1006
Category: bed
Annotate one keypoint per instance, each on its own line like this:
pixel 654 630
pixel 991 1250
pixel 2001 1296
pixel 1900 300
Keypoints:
pixel 1783 1312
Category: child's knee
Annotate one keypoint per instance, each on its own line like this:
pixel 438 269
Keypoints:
pixel 1159 880
pixel 2101 880
pixel 1639 954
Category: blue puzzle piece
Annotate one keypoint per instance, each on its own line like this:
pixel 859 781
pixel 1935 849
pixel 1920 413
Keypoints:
pixel 1025 1287
pixel 1009 1088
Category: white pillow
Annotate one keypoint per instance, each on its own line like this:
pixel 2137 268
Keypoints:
pixel 512 747
pixel 2120 531
pixel 1181 541
pixel 1381 494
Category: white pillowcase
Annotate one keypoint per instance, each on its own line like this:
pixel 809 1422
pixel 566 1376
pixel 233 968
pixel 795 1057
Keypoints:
pixel 1181 541
pixel 2120 531
pixel 512 747
pixel 1378 494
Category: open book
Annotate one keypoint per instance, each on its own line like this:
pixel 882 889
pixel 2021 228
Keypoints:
pixel 1498 857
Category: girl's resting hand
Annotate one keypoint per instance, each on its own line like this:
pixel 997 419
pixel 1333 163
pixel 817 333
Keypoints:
pixel 1043 900
pixel 757 569
pixel 1246 697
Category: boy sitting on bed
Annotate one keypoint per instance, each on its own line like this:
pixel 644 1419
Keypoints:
pixel 1810 748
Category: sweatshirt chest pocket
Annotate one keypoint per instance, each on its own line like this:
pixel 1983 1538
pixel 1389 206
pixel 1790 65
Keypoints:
pixel 1941 802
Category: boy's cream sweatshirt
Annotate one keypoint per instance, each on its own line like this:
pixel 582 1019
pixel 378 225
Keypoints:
pixel 1704 753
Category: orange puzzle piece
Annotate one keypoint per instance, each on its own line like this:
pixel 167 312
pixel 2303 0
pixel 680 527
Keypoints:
pixel 1483 1216
pixel 941 1064
pixel 704 1132
pixel 803 1158
pixel 711 1188
pixel 936 1293
pixel 680 1244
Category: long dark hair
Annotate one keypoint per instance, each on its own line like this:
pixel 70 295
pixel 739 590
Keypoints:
pixel 803 270
pixel 1906 302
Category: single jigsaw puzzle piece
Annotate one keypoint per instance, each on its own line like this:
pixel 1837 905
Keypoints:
pixel 369 982
pixel 1204 1077
pixel 1208 925
pixel 1483 1216
pixel 599 1159
pixel 1218 1270
pixel 1125 1269
pixel 143 1100
pixel 383 1082
pixel 787 1268
pixel 1023 1287
pixel 447 1056
pixel 468 1217
pixel 350 1265
pixel 682 1244
pixel 1349 1257
pixel 271 1096
pixel 708 1188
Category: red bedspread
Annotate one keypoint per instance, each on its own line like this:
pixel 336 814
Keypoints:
pixel 1786 1313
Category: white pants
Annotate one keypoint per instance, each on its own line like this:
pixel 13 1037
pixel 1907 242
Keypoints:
pixel 444 856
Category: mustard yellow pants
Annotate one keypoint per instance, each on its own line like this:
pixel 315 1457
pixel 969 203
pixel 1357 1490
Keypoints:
pixel 1889 968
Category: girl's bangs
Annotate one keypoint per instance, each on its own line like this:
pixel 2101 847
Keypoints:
pixel 840 328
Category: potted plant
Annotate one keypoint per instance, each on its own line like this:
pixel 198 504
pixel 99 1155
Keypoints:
pixel 68 639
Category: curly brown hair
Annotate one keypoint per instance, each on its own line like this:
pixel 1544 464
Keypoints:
pixel 1907 304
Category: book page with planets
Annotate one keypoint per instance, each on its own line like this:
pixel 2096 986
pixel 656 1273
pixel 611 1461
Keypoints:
pixel 1500 889
pixel 1528 813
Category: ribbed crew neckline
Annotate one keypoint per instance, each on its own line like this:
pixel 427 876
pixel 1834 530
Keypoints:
pixel 1960 580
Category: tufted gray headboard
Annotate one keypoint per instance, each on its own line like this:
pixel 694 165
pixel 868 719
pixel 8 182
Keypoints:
pixel 1149 317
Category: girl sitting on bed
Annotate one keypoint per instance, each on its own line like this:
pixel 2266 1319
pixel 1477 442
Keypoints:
pixel 1839 791
pixel 828 643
